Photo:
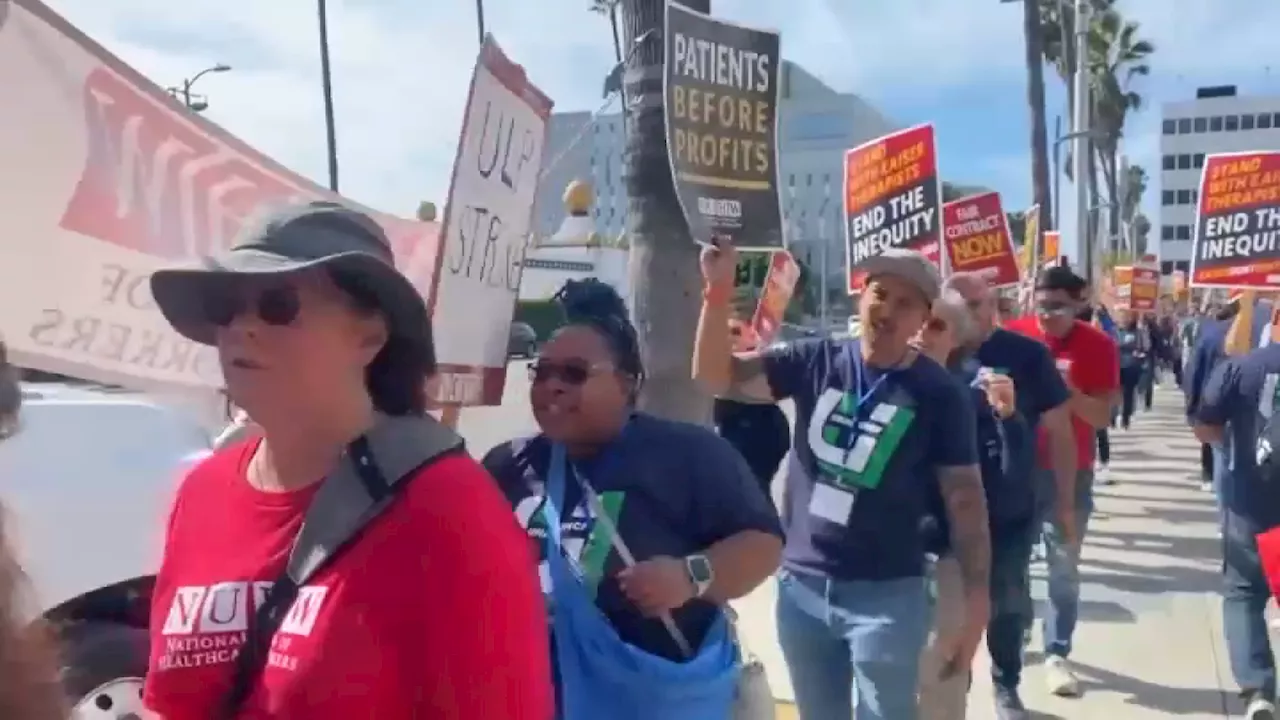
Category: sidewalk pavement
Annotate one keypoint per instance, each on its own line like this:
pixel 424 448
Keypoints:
pixel 1149 644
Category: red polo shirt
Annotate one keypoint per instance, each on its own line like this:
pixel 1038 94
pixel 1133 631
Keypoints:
pixel 434 611
pixel 1090 360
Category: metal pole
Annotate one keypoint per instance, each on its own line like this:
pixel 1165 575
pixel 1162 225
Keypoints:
pixel 1082 258
pixel 480 19
pixel 326 77
pixel 822 238
pixel 186 92
pixel 1055 222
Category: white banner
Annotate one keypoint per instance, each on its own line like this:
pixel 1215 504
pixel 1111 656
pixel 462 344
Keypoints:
pixel 487 222
pixel 103 179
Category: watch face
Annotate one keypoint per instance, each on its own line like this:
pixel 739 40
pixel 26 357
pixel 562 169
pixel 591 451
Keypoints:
pixel 699 568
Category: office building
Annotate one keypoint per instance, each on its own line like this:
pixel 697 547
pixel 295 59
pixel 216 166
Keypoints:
pixel 816 125
pixel 1218 120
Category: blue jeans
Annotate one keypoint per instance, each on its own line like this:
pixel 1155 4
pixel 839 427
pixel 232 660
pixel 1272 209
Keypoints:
pixel 1011 607
pixel 1063 611
pixel 853 648
pixel 1244 600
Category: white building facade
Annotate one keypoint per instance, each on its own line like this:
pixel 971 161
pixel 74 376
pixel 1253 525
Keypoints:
pixel 1217 121
pixel 816 125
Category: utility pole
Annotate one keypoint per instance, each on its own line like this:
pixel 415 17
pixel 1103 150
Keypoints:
pixel 825 250
pixel 1083 257
pixel 326 79
pixel 1055 223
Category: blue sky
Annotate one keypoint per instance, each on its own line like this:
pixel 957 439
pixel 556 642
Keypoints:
pixel 401 69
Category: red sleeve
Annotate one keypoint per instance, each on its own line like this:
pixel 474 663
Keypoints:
pixel 1101 365
pixel 482 602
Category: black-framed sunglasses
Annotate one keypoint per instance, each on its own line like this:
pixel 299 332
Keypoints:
pixel 571 372
pixel 277 304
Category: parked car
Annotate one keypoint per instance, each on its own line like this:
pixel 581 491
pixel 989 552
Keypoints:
pixel 88 478
pixel 523 341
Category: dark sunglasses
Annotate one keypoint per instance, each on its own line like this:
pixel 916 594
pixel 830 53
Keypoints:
pixel 569 373
pixel 274 305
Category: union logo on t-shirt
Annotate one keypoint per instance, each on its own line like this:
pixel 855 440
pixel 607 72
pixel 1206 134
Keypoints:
pixel 207 624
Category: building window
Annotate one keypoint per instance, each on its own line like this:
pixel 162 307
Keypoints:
pixel 1215 124
pixel 1184 126
pixel 1246 122
pixel 1166 267
pixel 1170 127
pixel 1167 197
pixel 1170 162
pixel 1166 232
pixel 1275 120
pixel 1197 160
pixel 1184 232
pixel 791 180
pixel 1184 162
pixel 1202 125
pixel 808 180
pixel 1264 121
pixel 1195 196
pixel 1184 197
pixel 1232 123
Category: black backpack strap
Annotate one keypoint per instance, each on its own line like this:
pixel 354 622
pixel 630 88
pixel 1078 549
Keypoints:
pixel 374 467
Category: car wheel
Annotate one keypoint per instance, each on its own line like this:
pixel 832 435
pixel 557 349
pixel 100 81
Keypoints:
pixel 103 668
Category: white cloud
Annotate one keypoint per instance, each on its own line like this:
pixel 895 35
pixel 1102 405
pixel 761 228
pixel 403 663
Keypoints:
pixel 401 67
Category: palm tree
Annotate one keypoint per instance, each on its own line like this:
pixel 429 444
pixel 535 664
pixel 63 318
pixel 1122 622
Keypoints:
pixel 1119 57
pixel 665 279
pixel 609 9
pixel 1033 37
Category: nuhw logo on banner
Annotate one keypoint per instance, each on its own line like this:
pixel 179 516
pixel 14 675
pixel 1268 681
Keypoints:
pixel 977 239
pixel 1237 241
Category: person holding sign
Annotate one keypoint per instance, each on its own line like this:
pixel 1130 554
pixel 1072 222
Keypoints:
pixel 879 429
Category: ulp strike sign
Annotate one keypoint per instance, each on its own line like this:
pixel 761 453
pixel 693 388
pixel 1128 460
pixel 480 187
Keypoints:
pixel 1237 242
pixel 892 198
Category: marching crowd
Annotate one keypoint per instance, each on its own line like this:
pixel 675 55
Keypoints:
pixel 347 558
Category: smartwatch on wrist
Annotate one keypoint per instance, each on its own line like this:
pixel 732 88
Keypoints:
pixel 700 573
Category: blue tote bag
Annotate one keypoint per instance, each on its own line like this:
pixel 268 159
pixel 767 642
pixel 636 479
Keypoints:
pixel 601 676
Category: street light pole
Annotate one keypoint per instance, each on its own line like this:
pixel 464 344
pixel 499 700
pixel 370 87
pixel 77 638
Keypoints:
pixel 185 91
pixel 480 19
pixel 326 79
pixel 1084 254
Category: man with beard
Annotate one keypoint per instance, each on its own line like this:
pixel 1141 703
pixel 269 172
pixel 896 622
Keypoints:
pixel 878 429
pixel 1089 362
pixel 1043 403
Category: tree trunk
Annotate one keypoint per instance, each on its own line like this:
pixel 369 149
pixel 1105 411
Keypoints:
pixel 1039 127
pixel 666 284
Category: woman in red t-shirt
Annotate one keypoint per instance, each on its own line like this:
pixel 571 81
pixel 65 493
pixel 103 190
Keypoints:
pixel 433 611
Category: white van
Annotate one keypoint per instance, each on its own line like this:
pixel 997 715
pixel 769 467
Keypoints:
pixel 87 480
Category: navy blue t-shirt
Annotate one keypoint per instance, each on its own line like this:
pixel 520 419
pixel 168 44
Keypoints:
pixel 1039 388
pixel 671 489
pixel 1240 394
pixel 853 508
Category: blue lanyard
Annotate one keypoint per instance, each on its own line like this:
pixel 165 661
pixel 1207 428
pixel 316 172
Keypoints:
pixel 859 372
pixel 556 469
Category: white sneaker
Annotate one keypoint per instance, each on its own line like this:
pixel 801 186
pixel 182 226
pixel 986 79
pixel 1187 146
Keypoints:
pixel 1260 708
pixel 1059 679
pixel 1102 474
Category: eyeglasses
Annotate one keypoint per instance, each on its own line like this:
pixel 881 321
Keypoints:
pixel 571 372
pixel 277 305
pixel 1049 307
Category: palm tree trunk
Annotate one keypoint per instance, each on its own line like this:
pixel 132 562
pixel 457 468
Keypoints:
pixel 1035 98
pixel 665 280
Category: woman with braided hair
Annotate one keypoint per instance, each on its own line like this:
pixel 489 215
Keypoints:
pixel 29 688
pixel 644 527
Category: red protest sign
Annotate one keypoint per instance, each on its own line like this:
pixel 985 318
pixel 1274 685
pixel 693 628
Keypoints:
pixel 779 286
pixel 977 239
pixel 892 198
pixel 1237 242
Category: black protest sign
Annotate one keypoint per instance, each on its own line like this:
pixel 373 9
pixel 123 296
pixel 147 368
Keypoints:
pixel 721 96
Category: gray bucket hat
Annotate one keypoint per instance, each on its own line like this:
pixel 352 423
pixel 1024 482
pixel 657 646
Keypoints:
pixel 909 265
pixel 289 239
